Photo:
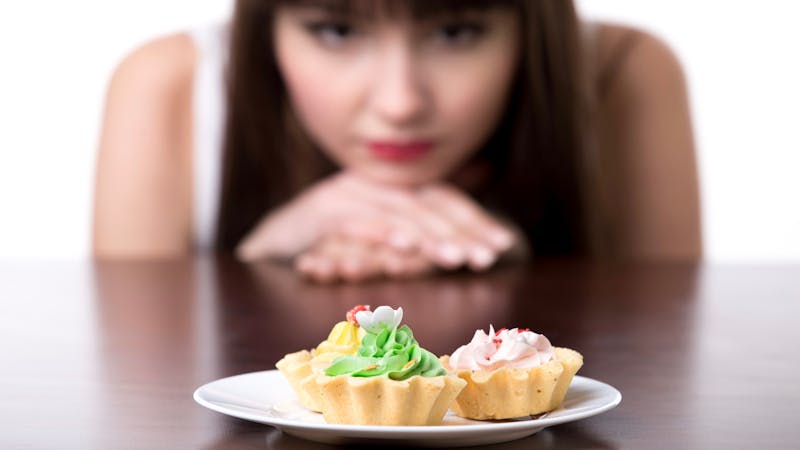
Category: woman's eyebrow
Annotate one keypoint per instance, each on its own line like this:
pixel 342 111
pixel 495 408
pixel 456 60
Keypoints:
pixel 334 8
pixel 369 10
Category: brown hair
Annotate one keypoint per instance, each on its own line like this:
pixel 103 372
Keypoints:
pixel 536 153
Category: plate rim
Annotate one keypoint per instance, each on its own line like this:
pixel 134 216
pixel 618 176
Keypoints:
pixel 375 430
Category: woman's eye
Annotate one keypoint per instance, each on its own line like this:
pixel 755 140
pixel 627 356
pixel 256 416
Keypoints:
pixel 331 33
pixel 460 33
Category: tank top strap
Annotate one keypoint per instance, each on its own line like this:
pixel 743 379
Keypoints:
pixel 208 109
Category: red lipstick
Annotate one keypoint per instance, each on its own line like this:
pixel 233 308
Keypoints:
pixel 400 151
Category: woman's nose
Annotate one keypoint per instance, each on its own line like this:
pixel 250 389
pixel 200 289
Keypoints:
pixel 398 94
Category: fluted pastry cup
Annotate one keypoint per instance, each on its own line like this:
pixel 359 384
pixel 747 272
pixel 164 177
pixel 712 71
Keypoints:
pixel 380 400
pixel 300 368
pixel 295 367
pixel 510 392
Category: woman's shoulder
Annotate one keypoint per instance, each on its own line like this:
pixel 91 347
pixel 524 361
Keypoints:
pixel 645 143
pixel 158 66
pixel 151 90
pixel 633 57
pixel 143 180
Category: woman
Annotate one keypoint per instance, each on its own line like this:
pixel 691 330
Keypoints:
pixel 370 138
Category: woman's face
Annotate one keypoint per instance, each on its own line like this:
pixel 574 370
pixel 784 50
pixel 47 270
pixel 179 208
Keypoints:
pixel 399 100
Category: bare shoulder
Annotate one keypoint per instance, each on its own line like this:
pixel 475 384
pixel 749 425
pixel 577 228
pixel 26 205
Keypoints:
pixel 646 145
pixel 149 96
pixel 143 180
pixel 165 65
pixel 174 54
pixel 635 59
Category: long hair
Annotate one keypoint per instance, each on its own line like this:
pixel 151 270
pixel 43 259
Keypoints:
pixel 536 154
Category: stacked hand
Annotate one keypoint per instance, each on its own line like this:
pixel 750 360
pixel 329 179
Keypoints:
pixel 346 227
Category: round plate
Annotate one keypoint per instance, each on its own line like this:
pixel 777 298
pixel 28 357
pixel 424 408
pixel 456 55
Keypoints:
pixel 266 397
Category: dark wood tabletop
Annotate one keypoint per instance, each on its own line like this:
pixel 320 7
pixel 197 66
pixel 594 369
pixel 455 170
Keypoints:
pixel 107 354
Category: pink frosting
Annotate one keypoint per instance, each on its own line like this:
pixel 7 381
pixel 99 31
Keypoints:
pixel 522 349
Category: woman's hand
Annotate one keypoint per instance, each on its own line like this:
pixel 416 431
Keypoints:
pixel 345 258
pixel 437 221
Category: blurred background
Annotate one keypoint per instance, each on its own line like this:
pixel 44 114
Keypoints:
pixel 740 57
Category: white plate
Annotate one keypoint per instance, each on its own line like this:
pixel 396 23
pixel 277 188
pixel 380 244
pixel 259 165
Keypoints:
pixel 266 397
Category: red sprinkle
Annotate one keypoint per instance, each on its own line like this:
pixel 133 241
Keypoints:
pixel 523 330
pixel 496 333
pixel 351 315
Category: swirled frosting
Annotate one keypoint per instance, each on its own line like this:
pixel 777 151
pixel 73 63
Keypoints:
pixel 386 350
pixel 343 338
pixel 519 348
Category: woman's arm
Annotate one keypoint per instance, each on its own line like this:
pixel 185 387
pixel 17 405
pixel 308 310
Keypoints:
pixel 647 148
pixel 142 204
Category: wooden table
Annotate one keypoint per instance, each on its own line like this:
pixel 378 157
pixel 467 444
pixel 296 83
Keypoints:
pixel 107 355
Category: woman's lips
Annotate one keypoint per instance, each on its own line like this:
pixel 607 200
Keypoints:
pixel 400 151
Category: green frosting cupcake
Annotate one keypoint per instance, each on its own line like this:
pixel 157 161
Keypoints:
pixel 386 350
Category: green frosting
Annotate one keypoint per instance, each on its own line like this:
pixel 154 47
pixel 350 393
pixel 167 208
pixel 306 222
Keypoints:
pixel 391 352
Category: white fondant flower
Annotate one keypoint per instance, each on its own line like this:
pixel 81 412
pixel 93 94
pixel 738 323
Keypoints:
pixel 382 317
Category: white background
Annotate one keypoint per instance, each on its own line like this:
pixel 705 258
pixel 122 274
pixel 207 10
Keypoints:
pixel 741 58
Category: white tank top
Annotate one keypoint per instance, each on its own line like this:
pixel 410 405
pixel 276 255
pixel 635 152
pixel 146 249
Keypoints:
pixel 211 44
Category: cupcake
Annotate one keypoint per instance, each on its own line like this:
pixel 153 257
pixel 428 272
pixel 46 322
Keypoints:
pixel 300 367
pixel 390 380
pixel 511 373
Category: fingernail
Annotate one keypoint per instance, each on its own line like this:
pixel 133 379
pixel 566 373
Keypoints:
pixel 304 263
pixel 401 240
pixel 395 267
pixel 501 239
pixel 450 253
pixel 324 266
pixel 481 258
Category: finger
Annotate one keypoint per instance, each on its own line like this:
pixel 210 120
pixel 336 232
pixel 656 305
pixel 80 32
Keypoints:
pixel 462 249
pixel 304 263
pixel 316 267
pixel 481 258
pixel 483 236
pixel 371 230
pixel 393 262
pixel 397 264
pixel 356 267
pixel 353 260
pixel 415 264
pixel 468 215
pixel 384 224
pixel 454 230
pixel 440 238
pixel 325 256
pixel 386 230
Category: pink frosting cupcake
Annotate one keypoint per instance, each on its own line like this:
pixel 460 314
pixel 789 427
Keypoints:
pixel 511 373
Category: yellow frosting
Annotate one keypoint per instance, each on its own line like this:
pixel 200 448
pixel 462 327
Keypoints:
pixel 300 368
pixel 344 338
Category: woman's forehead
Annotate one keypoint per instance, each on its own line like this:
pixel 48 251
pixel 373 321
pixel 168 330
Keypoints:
pixel 415 8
